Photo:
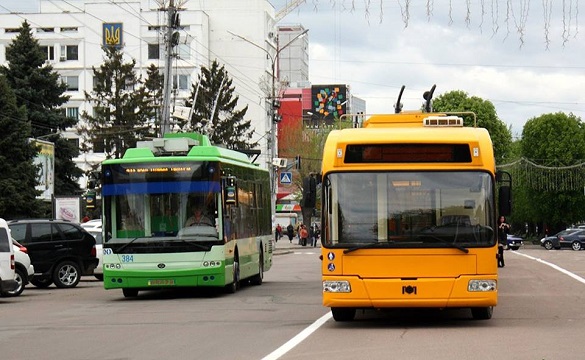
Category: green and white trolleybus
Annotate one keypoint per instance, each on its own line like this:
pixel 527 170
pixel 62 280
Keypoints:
pixel 149 197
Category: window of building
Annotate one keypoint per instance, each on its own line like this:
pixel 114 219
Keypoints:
pixel 49 51
pixel 72 82
pixel 72 112
pixel 11 30
pixel 129 83
pixel 153 51
pixel 45 30
pixel 184 51
pixel 69 29
pixel 181 82
pixel 69 52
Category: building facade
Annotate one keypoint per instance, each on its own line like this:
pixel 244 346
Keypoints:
pixel 73 32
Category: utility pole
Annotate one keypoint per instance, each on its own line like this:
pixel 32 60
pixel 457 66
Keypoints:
pixel 172 22
pixel 274 106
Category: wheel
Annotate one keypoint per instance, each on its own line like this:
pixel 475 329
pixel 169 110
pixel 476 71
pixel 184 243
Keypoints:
pixel 576 245
pixel 548 245
pixel 233 287
pixel 258 278
pixel 66 274
pixel 41 283
pixel 130 293
pixel 343 314
pixel 100 277
pixel 514 247
pixel 19 277
pixel 482 313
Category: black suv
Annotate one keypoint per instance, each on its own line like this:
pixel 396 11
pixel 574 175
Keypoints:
pixel 60 251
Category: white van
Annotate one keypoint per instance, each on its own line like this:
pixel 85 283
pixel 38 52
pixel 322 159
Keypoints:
pixel 7 264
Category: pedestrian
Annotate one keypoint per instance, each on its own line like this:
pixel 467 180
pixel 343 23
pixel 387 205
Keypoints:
pixel 299 225
pixel 317 234
pixel 312 235
pixel 304 234
pixel 277 232
pixel 290 232
pixel 503 230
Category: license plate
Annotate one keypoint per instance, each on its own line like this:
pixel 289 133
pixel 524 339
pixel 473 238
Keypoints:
pixel 161 282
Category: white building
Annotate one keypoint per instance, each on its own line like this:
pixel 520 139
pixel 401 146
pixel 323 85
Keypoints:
pixel 239 34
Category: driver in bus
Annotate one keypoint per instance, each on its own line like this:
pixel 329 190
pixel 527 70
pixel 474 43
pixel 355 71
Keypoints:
pixel 199 217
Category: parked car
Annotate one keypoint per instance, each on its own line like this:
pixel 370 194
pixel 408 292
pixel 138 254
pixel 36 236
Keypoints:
pixel 23 268
pixel 555 242
pixel 98 272
pixel 574 240
pixel 514 242
pixel 95 224
pixel 7 265
pixel 60 251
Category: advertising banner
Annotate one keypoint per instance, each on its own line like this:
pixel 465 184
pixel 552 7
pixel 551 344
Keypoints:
pixel 45 160
pixel 67 208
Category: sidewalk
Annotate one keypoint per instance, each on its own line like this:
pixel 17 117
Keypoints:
pixel 284 246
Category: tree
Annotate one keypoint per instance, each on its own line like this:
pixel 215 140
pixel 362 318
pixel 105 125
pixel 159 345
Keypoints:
pixel 121 114
pixel 39 88
pixel 486 118
pixel 18 174
pixel 296 141
pixel 227 126
pixel 153 94
pixel 555 196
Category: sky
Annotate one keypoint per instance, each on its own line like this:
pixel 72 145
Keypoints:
pixel 474 49
pixel 525 56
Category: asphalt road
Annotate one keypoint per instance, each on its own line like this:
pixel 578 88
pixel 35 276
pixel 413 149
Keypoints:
pixel 539 316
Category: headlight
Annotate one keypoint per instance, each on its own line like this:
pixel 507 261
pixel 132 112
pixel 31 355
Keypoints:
pixel 481 285
pixel 336 286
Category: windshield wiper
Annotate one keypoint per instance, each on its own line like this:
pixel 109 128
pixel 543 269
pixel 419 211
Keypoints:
pixel 366 246
pixel 130 242
pixel 449 244
pixel 201 246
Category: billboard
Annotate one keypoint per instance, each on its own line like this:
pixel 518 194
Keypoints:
pixel 328 102
pixel 45 162
pixel 67 208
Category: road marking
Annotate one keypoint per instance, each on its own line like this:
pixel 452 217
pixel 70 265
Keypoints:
pixel 556 267
pixel 289 345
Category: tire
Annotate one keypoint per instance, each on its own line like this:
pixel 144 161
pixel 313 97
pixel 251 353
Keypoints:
pixel 19 276
pixel 259 278
pixel 343 314
pixel 482 313
pixel 41 283
pixel 233 287
pixel 130 293
pixel 576 245
pixel 100 277
pixel 548 245
pixel 514 247
pixel 66 275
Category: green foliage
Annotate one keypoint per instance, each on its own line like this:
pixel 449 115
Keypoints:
pixel 39 89
pixel 227 126
pixel 486 118
pixel 559 136
pixel 17 172
pixel 122 114
pixel 551 140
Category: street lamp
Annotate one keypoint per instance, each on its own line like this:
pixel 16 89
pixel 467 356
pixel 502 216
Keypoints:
pixel 275 104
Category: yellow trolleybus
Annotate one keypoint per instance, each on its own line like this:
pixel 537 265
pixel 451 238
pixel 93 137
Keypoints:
pixel 409 215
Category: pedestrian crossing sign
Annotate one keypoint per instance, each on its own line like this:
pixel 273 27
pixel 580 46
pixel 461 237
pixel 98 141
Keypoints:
pixel 286 177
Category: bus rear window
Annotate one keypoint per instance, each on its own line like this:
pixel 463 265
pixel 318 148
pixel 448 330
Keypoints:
pixel 408 153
